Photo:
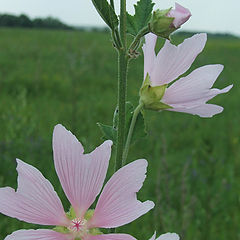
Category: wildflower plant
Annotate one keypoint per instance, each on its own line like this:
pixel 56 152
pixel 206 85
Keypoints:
pixel 82 175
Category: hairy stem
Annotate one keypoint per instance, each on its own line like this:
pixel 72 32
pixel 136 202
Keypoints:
pixel 130 132
pixel 122 86
pixel 123 62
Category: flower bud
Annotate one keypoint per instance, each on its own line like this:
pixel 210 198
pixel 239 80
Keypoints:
pixel 161 24
pixel 164 22
pixel 180 15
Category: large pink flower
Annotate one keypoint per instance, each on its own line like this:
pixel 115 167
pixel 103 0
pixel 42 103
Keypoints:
pixel 82 177
pixel 188 94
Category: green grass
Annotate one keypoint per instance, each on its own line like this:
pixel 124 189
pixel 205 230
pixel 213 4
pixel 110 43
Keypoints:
pixel 50 77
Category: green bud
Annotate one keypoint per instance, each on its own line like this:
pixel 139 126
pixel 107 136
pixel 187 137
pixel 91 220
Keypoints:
pixel 161 24
pixel 151 97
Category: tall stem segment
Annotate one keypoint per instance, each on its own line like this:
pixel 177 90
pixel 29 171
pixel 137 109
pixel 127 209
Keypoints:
pixel 122 86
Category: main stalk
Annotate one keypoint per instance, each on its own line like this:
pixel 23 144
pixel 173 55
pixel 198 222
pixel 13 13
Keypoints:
pixel 122 86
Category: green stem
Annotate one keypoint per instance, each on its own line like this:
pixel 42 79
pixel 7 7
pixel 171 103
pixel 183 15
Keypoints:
pixel 134 45
pixel 130 132
pixel 123 23
pixel 123 62
pixel 122 86
pixel 112 3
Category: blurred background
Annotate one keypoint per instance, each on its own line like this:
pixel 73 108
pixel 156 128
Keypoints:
pixel 57 65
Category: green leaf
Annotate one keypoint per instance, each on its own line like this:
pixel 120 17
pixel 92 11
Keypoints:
pixel 109 132
pixel 143 13
pixel 107 13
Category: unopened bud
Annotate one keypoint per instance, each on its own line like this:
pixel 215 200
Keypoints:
pixel 164 22
pixel 180 15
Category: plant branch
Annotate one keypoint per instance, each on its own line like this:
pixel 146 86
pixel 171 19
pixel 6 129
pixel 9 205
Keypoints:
pixel 130 132
pixel 134 45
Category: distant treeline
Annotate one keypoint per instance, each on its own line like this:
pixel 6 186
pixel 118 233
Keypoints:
pixel 8 20
pixel 210 35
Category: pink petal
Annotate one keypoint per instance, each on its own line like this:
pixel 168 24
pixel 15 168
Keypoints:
pixel 153 236
pixel 180 14
pixel 168 236
pixel 81 176
pixel 117 236
pixel 118 204
pixel 204 110
pixel 149 53
pixel 172 61
pixel 40 234
pixel 194 89
pixel 35 200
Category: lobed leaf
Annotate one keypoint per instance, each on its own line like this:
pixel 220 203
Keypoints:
pixel 143 13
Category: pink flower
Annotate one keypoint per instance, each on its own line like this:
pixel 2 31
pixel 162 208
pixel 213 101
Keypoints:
pixel 180 15
pixel 166 236
pixel 81 176
pixel 188 94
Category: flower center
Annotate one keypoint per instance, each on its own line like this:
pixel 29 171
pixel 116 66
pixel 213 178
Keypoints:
pixel 78 225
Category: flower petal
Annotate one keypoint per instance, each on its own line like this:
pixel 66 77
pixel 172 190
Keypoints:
pixel 204 110
pixel 118 204
pixel 153 236
pixel 172 61
pixel 180 14
pixel 35 200
pixel 81 176
pixel 116 236
pixel 168 236
pixel 149 53
pixel 195 88
pixel 40 234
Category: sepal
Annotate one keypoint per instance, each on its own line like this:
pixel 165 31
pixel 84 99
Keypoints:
pixel 151 97
pixel 161 24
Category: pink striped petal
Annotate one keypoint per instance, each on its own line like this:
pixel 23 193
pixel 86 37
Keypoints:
pixel 149 53
pixel 172 61
pixel 204 110
pixel 35 200
pixel 118 204
pixel 195 88
pixel 81 176
pixel 168 236
pixel 40 234
pixel 117 236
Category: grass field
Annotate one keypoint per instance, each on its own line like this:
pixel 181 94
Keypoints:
pixel 50 77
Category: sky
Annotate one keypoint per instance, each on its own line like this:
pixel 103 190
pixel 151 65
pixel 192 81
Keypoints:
pixel 207 15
